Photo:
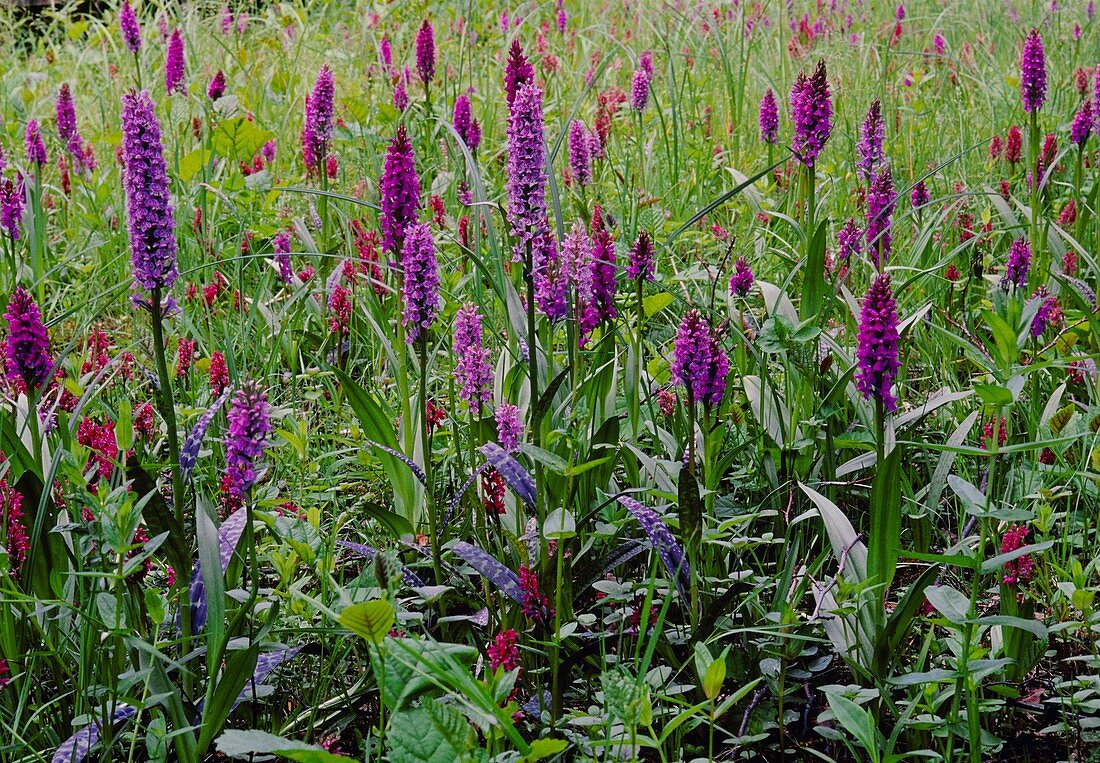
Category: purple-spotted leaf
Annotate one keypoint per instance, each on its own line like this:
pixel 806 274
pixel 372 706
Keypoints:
pixel 497 574
pixel 413 466
pixel 661 537
pixel 229 535
pixel 76 748
pixel 518 478
pixel 189 453
pixel 412 580
pixel 453 507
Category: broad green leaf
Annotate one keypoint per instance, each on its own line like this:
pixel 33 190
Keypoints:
pixel 1031 626
pixel 370 619
pixel 239 667
pixel 559 524
pixel 856 721
pixel 994 394
pixel 655 303
pixel 246 744
pixel 998 561
pixel 950 603
pixel 885 539
pixel 544 748
pixel 813 276
pixel 714 678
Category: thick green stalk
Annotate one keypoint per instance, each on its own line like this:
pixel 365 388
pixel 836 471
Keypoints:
pixel 532 341
pixel 426 444
pixel 167 405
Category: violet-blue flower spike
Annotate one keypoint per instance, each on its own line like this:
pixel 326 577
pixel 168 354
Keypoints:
pixel 148 202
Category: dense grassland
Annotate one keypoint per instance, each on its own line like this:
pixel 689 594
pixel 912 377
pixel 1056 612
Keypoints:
pixel 434 381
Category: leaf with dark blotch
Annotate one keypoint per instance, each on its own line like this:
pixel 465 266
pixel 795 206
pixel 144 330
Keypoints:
pixel 518 478
pixel 547 398
pixel 159 518
pixel 413 466
pixel 48 557
pixel 497 574
pixel 661 537
pixel 189 453
pixel 411 579
pixel 691 508
pixel 614 559
pixel 76 748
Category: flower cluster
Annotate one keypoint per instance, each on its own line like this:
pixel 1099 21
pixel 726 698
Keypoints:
pixel 148 202
pixel 249 428
pixel 878 343
pixel 509 426
pixel 742 279
pixel 580 157
pixel 174 65
pixel 319 125
pixel 425 52
pixel 1019 263
pixel 526 164
pixel 769 118
pixel 100 439
pixel 869 147
pixel 503 652
pixel 1020 569
pixel 473 371
pixel 699 363
pixel 535 603
pixel 421 284
pixel 400 192
pixel 128 23
pixel 27 349
pixel 16 540
pixel 517 72
pixel 642 266
pixel 881 200
pixel 1033 73
pixel 811 114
